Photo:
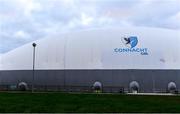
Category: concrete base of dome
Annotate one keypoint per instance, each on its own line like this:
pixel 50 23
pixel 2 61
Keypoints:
pixel 112 80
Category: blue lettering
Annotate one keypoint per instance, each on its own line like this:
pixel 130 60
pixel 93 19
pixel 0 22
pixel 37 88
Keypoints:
pixel 116 49
pixel 142 51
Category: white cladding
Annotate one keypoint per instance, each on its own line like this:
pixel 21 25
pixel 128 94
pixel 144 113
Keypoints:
pixel 94 49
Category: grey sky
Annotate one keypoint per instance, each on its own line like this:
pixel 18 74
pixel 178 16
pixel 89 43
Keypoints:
pixel 22 21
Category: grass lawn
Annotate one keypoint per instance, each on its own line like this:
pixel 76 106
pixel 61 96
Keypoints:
pixel 65 102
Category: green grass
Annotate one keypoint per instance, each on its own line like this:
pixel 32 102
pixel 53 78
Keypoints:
pixel 64 102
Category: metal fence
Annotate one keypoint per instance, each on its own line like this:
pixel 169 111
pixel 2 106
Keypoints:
pixel 85 89
pixel 56 88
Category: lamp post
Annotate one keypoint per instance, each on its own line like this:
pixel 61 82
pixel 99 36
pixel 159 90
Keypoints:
pixel 34 46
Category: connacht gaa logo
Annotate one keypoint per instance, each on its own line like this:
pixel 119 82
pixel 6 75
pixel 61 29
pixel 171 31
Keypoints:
pixel 130 41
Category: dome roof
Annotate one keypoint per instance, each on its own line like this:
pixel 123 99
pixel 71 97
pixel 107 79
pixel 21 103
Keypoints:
pixel 113 48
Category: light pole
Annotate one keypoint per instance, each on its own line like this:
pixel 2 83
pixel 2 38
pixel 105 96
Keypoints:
pixel 34 46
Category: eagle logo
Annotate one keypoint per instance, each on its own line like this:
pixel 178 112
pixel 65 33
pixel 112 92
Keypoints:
pixel 130 41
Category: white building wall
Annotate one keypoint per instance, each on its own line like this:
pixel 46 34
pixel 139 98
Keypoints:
pixel 94 49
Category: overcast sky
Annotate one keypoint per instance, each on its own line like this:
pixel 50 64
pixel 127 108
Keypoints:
pixel 22 21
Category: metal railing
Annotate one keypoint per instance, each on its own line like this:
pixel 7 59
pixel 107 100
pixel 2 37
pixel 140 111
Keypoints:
pixel 72 88
pixel 57 88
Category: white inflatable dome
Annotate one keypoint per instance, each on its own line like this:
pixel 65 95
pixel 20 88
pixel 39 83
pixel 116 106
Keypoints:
pixel 100 49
